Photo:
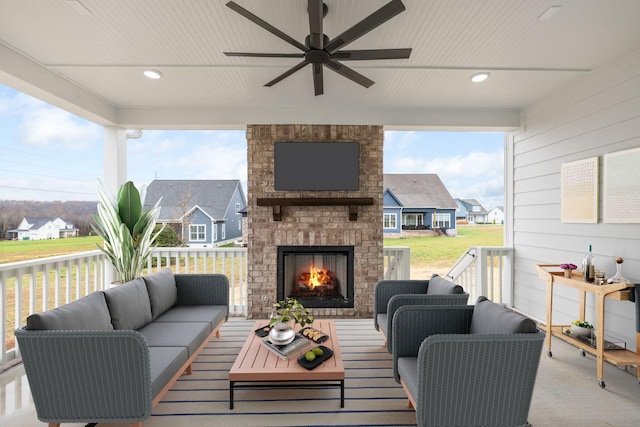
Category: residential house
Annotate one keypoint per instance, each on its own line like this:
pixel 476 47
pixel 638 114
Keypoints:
pixel 496 215
pixel 41 228
pixel 204 212
pixel 471 211
pixel 417 202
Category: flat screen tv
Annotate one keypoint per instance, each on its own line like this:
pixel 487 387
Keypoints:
pixel 317 166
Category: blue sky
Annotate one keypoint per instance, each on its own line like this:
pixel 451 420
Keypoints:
pixel 49 154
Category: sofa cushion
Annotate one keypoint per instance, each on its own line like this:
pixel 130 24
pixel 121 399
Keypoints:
pixel 408 371
pixel 491 318
pixel 213 314
pixel 165 362
pixel 439 285
pixel 129 305
pixel 87 313
pixel 162 290
pixel 185 334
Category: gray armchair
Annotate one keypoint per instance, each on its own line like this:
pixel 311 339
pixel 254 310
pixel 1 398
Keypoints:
pixel 389 295
pixel 466 365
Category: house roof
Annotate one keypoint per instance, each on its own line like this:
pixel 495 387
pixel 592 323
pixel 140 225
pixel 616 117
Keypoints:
pixel 179 197
pixel 79 55
pixel 469 203
pixel 419 191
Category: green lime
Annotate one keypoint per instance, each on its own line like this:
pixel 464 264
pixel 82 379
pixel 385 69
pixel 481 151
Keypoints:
pixel 310 356
pixel 318 351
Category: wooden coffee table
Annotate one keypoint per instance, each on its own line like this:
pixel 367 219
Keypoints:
pixel 256 365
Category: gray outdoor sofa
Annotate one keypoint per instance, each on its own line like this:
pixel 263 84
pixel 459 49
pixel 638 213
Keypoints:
pixel 111 355
pixel 389 295
pixel 466 365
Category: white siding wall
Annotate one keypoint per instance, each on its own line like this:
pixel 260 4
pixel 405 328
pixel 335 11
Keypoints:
pixel 594 115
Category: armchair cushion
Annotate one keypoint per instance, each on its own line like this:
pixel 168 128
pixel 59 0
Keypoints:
pixel 491 318
pixel 162 290
pixel 129 305
pixel 439 285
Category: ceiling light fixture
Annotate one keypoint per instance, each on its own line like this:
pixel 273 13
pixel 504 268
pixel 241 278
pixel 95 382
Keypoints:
pixel 547 14
pixel 153 74
pixel 479 77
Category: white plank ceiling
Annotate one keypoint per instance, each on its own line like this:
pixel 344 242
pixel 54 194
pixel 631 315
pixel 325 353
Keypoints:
pixel 92 63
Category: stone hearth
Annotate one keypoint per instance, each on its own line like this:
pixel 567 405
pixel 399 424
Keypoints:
pixel 323 225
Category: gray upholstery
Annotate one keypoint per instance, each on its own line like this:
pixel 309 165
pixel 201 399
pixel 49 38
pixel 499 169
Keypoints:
pixel 440 285
pixel 129 304
pixel 461 379
pixel 165 362
pixel 115 375
pixel 491 318
pixel 214 314
pixel 189 335
pixel 163 293
pixel 87 313
pixel 389 295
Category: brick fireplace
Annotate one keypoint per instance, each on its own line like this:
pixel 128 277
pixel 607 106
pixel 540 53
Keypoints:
pixel 281 219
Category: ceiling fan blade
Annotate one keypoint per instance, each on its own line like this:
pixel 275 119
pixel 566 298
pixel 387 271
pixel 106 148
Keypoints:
pixel 347 72
pixel 357 55
pixel 259 21
pixel 265 55
pixel 318 80
pixel 377 18
pixel 316 39
pixel 287 73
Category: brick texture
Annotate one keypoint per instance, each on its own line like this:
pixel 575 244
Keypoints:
pixel 313 225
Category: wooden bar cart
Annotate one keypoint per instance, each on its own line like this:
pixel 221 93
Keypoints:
pixel 618 291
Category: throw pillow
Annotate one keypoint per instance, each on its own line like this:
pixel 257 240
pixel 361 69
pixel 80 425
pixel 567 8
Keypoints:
pixel 129 305
pixel 163 292
pixel 491 318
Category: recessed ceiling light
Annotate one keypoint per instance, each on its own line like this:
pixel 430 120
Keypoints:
pixel 547 14
pixel 153 74
pixel 479 77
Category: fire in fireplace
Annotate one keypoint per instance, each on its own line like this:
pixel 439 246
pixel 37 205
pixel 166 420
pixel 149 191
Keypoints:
pixel 317 276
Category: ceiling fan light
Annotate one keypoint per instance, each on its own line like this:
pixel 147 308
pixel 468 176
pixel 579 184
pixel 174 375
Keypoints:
pixel 153 74
pixel 479 77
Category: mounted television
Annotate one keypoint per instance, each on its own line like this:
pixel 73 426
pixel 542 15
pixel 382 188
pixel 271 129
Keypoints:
pixel 317 166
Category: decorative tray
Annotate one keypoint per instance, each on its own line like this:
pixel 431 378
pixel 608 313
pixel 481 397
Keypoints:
pixel 314 335
pixel 608 345
pixel 326 354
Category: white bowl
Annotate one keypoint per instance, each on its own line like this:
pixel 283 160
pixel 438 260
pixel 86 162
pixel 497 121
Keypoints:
pixel 581 331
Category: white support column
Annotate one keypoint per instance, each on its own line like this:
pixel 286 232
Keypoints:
pixel 115 157
pixel 115 173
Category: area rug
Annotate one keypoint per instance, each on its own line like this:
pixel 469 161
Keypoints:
pixel 372 397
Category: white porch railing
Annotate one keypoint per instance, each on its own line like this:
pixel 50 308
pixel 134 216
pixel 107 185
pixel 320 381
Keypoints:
pixel 487 271
pixel 38 285
pixel 397 262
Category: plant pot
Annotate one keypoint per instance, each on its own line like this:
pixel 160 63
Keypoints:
pixel 567 273
pixel 281 333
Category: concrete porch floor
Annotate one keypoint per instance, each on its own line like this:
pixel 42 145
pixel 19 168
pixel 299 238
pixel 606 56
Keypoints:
pixel 566 394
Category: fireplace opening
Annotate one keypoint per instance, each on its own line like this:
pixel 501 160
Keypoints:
pixel 317 276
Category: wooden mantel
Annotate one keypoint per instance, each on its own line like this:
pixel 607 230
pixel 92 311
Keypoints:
pixel 279 202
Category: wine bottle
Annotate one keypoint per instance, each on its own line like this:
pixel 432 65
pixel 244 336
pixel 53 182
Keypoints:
pixel 588 267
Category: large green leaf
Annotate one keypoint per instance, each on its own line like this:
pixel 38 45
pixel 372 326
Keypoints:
pixel 129 205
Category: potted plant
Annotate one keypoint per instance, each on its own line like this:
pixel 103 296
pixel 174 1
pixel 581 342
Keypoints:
pixel 127 231
pixel 285 315
pixel 568 268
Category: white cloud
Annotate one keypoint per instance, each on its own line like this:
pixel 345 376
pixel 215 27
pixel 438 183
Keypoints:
pixel 43 125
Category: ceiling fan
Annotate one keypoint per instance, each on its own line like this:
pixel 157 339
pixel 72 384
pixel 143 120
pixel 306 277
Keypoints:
pixel 318 50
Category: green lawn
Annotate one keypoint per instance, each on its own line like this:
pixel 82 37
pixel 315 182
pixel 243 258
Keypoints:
pixel 23 250
pixel 442 252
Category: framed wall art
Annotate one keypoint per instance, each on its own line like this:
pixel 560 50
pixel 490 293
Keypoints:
pixel 579 191
pixel 621 182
